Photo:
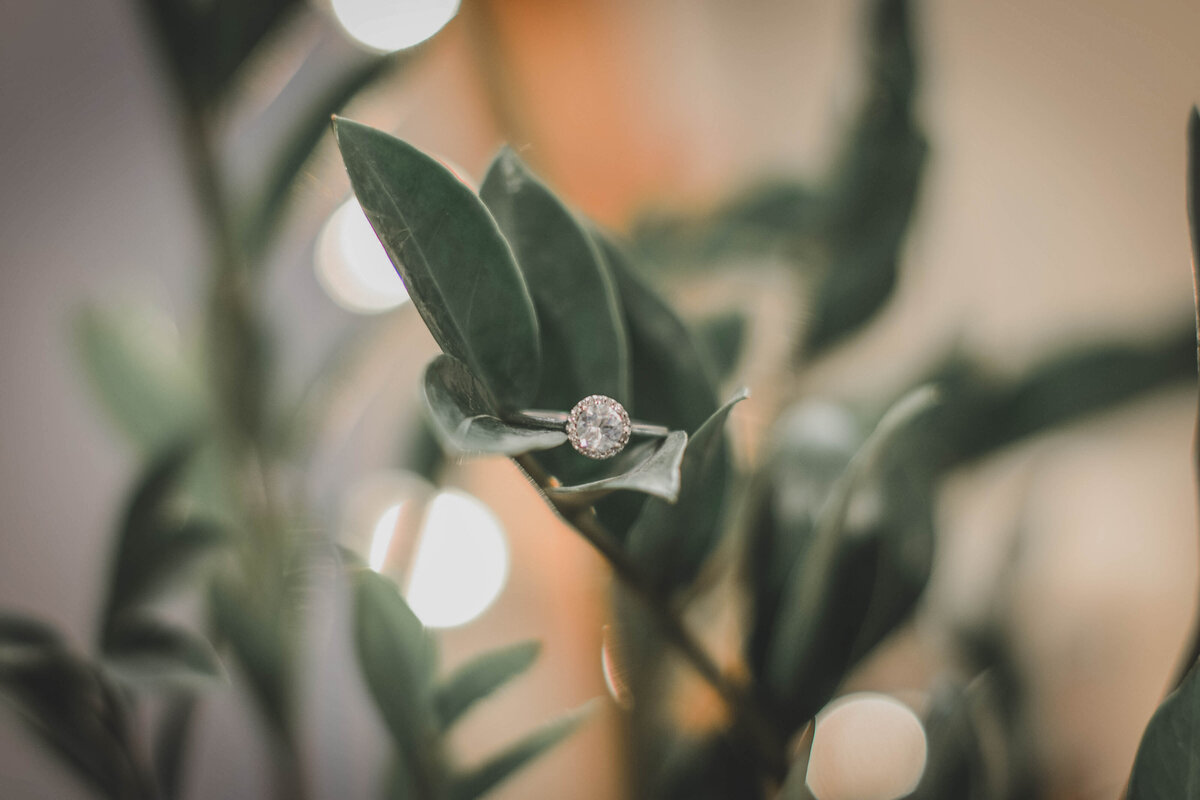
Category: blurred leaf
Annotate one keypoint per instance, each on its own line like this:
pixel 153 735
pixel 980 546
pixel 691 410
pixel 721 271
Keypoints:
pixel 583 341
pixel 482 676
pixel 459 270
pixel 463 419
pixel 873 195
pixel 170 744
pixel 306 129
pixel 206 43
pixel 20 631
pixel 721 338
pixel 671 541
pixel 1167 766
pixel 145 650
pixel 659 474
pixel 494 771
pixel 145 385
pixel 71 709
pixel 829 616
pixel 155 543
pixel 252 627
pixel 984 412
pixel 954 765
pixel 398 782
pixel 398 659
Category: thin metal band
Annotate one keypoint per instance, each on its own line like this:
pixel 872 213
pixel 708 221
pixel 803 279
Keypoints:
pixel 557 420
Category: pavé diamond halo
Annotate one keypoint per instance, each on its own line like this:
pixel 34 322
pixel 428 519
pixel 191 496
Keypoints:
pixel 598 427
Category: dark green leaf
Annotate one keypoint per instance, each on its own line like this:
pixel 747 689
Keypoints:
pixel 252 627
pixel 463 419
pixel 584 347
pixel 306 111
pixel 459 270
pixel 145 385
pixel 671 540
pixel 721 339
pixel 145 650
pixel 670 383
pixel 170 744
pixel 155 543
pixel 828 615
pixel 1167 766
pixel 494 771
pixel 398 660
pixel 658 474
pixel 18 631
pixel 482 676
pixel 68 705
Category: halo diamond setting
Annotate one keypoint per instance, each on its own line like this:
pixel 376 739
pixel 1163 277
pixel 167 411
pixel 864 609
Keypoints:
pixel 598 427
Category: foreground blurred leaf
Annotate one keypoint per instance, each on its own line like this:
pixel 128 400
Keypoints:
pixel 1167 766
pixel 583 342
pixel 829 615
pixel 155 543
pixel 398 659
pixel 254 629
pixel 76 713
pixel 658 474
pixel 170 744
pixel 20 631
pixel 463 419
pixel 145 650
pixel 145 385
pixel 671 540
pixel 480 677
pixel 459 270
pixel 487 776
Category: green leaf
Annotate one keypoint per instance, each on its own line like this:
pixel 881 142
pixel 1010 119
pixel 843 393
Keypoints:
pixel 658 474
pixel 670 383
pixel 19 631
pixel 583 342
pixel 828 616
pixel 398 659
pixel 721 338
pixel 141 649
pixel 144 383
pixel 463 420
pixel 480 677
pixel 671 540
pixel 170 744
pixel 155 543
pixel 494 771
pixel 251 626
pixel 1167 766
pixel 72 710
pixel 306 112
pixel 459 270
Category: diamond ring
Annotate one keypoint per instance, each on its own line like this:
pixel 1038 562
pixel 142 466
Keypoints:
pixel 598 426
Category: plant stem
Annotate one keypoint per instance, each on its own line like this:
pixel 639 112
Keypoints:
pixel 747 717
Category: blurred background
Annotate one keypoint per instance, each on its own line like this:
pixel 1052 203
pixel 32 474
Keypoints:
pixel 1051 213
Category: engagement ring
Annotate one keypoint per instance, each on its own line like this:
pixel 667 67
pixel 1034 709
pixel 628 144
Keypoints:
pixel 598 426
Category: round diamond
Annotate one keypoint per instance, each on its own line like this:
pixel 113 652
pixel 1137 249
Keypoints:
pixel 598 427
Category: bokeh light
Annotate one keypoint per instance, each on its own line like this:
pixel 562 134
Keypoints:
pixel 461 561
pixel 389 25
pixel 352 266
pixel 866 746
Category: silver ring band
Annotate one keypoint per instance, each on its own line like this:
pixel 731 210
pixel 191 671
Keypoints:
pixel 597 427
pixel 557 421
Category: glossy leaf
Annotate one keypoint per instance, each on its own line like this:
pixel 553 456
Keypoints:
pixel 671 540
pixel 459 270
pixel 398 659
pixel 487 776
pixel 144 384
pixel 463 419
pixel 480 677
pixel 145 650
pixel 583 342
pixel 828 598
pixel 658 474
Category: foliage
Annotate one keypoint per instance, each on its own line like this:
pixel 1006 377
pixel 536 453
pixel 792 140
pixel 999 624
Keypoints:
pixel 829 537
